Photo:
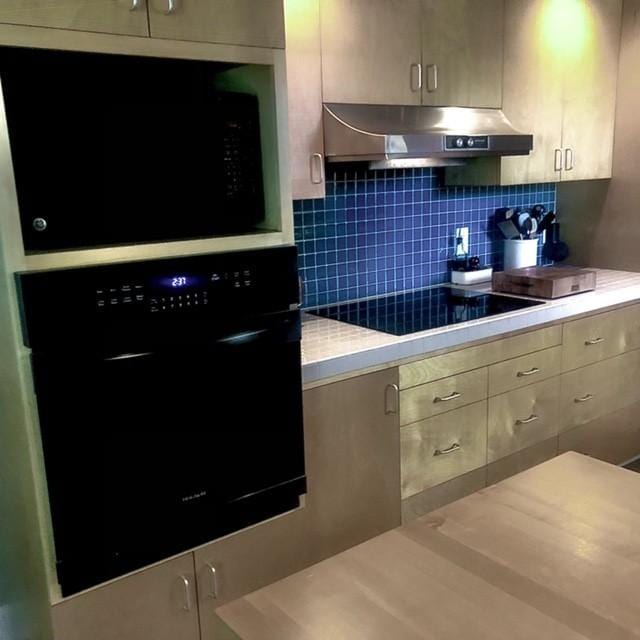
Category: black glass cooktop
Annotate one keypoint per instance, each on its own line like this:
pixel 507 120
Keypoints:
pixel 421 310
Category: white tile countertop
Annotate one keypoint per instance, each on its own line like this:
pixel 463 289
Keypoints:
pixel 333 349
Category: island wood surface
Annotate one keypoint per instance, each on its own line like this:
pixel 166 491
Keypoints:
pixel 551 553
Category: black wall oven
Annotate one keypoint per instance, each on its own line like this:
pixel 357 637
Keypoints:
pixel 111 149
pixel 169 399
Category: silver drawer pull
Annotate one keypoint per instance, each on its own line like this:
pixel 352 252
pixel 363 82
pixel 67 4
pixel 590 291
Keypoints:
pixel 443 452
pixel 588 343
pixel 586 398
pixel 171 7
pixel 453 396
pixel 188 602
pixel 531 372
pixel 135 5
pixel 532 418
pixel 392 391
pixel 213 575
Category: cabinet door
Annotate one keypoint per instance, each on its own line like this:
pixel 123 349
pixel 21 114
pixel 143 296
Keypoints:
pixel 590 57
pixel 353 461
pixel 371 50
pixel 304 81
pixel 257 23
pixel 127 17
pixel 158 603
pixel 462 48
pixel 532 97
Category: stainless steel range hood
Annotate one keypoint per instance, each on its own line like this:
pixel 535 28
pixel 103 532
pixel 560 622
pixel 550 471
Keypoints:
pixel 415 136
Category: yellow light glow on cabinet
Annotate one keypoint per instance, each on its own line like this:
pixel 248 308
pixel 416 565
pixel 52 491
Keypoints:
pixel 302 17
pixel 566 27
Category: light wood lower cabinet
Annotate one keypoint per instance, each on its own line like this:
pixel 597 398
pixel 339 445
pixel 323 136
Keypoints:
pixel 126 17
pixel 522 460
pixel 441 448
pixel 522 418
pixel 158 603
pixel 523 371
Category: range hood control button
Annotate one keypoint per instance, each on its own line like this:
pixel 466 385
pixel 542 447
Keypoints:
pixel 460 143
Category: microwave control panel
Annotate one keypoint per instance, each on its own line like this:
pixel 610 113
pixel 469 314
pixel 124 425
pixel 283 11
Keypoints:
pixel 174 292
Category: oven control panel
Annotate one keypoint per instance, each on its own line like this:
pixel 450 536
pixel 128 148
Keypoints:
pixel 173 292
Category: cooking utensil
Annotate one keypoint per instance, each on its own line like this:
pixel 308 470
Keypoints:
pixel 509 230
pixel 546 222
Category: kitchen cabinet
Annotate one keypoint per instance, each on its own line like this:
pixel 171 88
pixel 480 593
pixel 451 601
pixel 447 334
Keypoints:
pixel 371 51
pixel 304 82
pixel 559 84
pixel 410 52
pixel 462 53
pixel 241 22
pixel 158 603
pixel 126 17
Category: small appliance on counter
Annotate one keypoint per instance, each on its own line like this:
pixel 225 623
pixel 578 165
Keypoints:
pixel 465 269
pixel 545 282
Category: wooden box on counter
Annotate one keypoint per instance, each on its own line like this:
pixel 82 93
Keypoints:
pixel 544 282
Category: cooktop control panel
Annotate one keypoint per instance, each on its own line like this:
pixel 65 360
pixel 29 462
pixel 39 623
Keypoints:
pixel 178 291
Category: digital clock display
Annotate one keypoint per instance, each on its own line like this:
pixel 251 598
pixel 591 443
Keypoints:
pixel 179 281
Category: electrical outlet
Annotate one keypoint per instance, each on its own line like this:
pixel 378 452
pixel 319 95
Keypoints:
pixel 463 232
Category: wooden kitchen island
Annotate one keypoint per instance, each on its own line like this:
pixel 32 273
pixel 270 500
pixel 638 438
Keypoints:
pixel 552 553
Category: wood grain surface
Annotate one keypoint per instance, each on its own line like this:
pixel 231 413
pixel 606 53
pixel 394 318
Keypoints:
pixel 550 553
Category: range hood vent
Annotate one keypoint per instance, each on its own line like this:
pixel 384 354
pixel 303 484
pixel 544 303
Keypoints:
pixel 414 136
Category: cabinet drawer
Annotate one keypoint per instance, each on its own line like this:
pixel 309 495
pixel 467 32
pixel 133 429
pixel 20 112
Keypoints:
pixel 522 418
pixel 600 337
pixel 450 364
pixel 445 395
pixel 441 448
pixel 520 372
pixel 599 389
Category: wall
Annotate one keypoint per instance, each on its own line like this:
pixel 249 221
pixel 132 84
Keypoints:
pixel 385 231
pixel 600 219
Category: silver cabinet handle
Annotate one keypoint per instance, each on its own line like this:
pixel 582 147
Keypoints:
pixel 557 163
pixel 394 391
pixel 568 159
pixel 432 78
pixel 532 418
pixel 452 396
pixel 416 76
pixel 443 452
pixel 213 575
pixel 135 5
pixel 171 7
pixel 586 398
pixel 589 343
pixel 188 601
pixel 526 374
pixel 316 167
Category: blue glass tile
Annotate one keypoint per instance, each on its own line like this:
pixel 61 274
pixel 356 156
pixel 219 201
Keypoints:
pixel 386 231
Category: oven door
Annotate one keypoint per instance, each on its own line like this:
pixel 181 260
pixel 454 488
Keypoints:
pixel 149 454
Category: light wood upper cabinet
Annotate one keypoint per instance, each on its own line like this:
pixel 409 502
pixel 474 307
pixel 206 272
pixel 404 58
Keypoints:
pixel 128 17
pixel 158 603
pixel 256 23
pixel 371 51
pixel 304 81
pixel 462 51
pixel 590 81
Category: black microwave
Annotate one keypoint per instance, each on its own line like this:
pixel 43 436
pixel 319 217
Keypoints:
pixel 111 149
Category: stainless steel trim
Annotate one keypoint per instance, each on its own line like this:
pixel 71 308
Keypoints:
pixel 188 600
pixel 590 343
pixel 531 372
pixel 443 452
pixel 171 7
pixel 586 398
pixel 213 593
pixel 557 162
pixel 316 161
pixel 568 159
pixel 452 396
pixel 432 78
pixel 532 418
pixel 416 76
pixel 383 133
pixel 396 399
pixel 129 356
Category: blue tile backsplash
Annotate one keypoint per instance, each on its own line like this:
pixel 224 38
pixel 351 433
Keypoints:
pixel 378 232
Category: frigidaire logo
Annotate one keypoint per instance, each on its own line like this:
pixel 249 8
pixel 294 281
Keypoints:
pixel 194 496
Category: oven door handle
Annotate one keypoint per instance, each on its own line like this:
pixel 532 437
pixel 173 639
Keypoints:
pixel 129 356
pixel 243 337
